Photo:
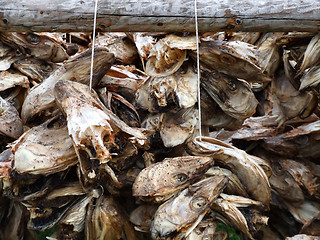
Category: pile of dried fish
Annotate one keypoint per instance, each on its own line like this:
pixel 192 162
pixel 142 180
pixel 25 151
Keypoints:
pixel 124 160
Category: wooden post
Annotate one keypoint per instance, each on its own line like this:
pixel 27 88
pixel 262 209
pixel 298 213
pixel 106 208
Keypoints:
pixel 160 15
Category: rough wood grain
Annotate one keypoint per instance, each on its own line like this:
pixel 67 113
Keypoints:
pixel 160 15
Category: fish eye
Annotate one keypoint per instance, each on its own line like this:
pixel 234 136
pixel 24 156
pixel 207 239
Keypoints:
pixel 198 202
pixel 33 39
pixel 232 86
pixel 302 140
pixel 181 177
pixel 206 237
pixel 278 169
pixel 46 67
pixel 18 52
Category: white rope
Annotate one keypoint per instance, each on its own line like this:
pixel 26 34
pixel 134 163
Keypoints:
pixel 198 66
pixel 93 41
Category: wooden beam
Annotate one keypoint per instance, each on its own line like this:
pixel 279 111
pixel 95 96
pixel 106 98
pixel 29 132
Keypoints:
pixel 160 15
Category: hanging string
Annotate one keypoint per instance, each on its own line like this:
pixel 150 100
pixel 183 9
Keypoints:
pixel 198 66
pixel 93 41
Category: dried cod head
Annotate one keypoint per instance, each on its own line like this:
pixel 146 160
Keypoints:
pixel 120 45
pixel 245 166
pixel 300 142
pixel 106 220
pixel 38 45
pixel 240 213
pixel 93 138
pixel 164 60
pixel 164 93
pixel 189 206
pixel 77 68
pixel 174 128
pixel 142 217
pixel 288 101
pixel 11 124
pixel 125 80
pixel 45 212
pixel 284 184
pixel 235 58
pixel 234 185
pixel 312 54
pixel 302 172
pixel 161 180
pixel 270 57
pixel 72 225
pixel 311 78
pixel 213 116
pixel 43 150
pixel 233 96
pixel 34 68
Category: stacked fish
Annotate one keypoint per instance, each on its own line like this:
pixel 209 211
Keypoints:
pixel 119 156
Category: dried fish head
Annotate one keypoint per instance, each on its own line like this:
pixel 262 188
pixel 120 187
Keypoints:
pixel 37 45
pixel 178 128
pixel 13 226
pixel 303 237
pixel 120 107
pixel 213 116
pixel 107 221
pixel 24 187
pixel 77 68
pixel 157 94
pixel 174 128
pixel 120 45
pixel 144 43
pixel 165 93
pixel 304 212
pixel 187 87
pixel 73 223
pixel 234 185
pixel 206 229
pixel 142 216
pixel 284 184
pixel 251 175
pixel 9 81
pixel 301 142
pixel 93 138
pixel 163 60
pixel 35 68
pixel 270 58
pixel 303 175
pixel 47 211
pixel 8 56
pixel 43 150
pixel 311 78
pixel 237 210
pixel 161 180
pixel 187 207
pixel 288 101
pixel 11 124
pixel 235 58
pixel 125 80
pixel 312 54
pixel 88 134
pixel 233 96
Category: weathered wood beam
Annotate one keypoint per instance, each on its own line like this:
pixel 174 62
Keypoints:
pixel 160 15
